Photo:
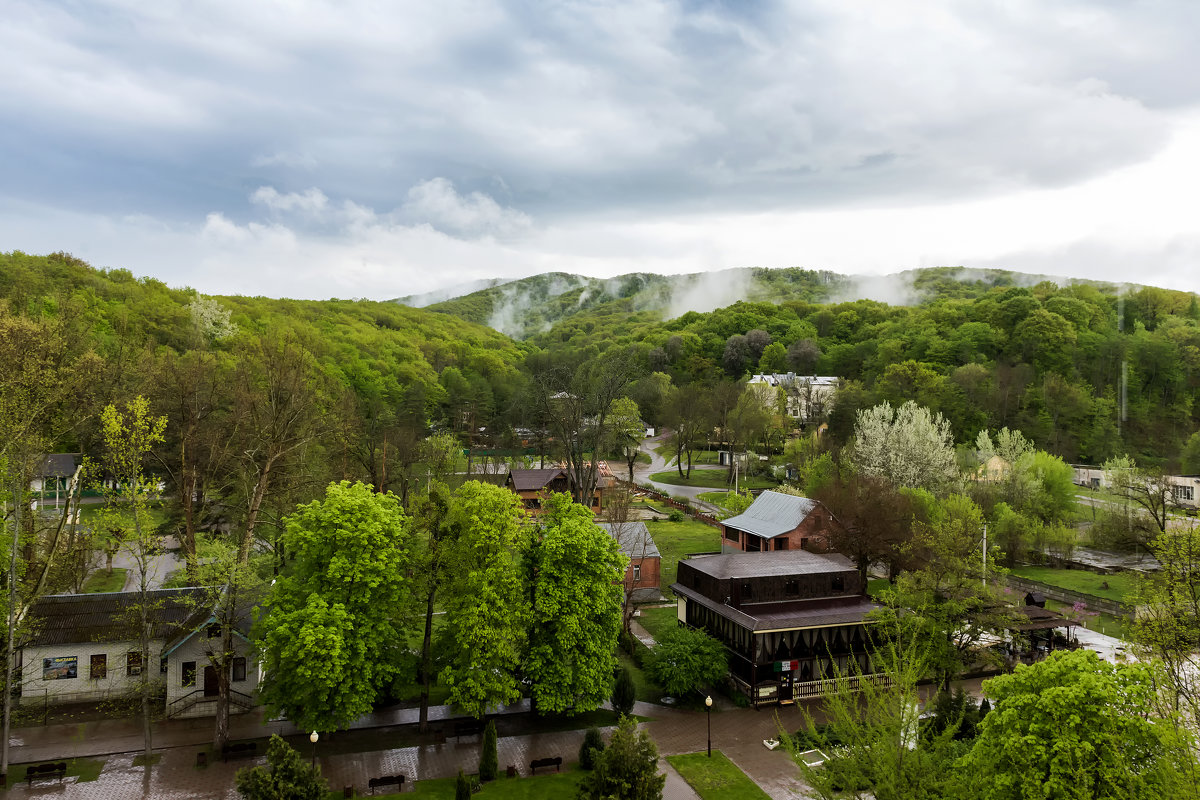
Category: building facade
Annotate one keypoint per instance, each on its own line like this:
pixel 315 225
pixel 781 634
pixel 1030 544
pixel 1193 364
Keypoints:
pixel 790 623
pixel 644 572
pixel 777 521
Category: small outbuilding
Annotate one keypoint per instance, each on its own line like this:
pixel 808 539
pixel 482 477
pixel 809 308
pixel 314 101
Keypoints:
pixel 644 572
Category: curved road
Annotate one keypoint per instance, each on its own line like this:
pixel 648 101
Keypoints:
pixel 642 473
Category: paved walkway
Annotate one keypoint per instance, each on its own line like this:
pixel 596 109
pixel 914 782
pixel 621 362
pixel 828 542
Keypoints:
pixel 736 732
pixel 642 473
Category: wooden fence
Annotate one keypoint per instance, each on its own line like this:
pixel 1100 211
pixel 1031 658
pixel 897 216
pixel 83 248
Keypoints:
pixel 1070 597
pixel 667 500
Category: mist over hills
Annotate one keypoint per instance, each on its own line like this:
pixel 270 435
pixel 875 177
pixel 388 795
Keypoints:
pixel 529 306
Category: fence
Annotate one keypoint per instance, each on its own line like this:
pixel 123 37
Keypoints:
pixel 1070 597
pixel 700 516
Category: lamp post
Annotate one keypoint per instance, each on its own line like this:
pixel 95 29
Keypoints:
pixel 313 737
pixel 708 715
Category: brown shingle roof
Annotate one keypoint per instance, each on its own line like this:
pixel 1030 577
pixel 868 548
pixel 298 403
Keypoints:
pixel 531 480
pixel 108 616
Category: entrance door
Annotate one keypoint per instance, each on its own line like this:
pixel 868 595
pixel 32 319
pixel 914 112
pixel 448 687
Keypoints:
pixel 210 682
pixel 785 687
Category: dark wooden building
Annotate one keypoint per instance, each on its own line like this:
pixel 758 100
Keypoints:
pixel 790 621
pixel 533 486
pixel 778 521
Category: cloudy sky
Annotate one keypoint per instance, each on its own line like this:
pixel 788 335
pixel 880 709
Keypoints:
pixel 366 149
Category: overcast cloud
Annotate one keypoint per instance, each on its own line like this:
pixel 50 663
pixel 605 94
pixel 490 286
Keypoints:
pixel 361 149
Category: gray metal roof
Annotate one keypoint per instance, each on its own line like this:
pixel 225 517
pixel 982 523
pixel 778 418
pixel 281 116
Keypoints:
pixel 633 537
pixel 775 563
pixel 792 615
pixel 772 514
pixel 58 465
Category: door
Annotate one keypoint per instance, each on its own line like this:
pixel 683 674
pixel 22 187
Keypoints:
pixel 210 682
pixel 785 687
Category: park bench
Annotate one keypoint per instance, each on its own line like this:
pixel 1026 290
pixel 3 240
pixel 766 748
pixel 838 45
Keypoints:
pixel 242 750
pixel 555 762
pixel 55 770
pixel 386 780
pixel 471 727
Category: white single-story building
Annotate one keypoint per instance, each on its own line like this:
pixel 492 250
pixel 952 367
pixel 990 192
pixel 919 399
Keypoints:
pixel 84 648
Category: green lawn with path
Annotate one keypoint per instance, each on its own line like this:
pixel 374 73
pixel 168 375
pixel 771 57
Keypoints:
pixel 1119 585
pixel 711 479
pixel 716 778
pixel 657 621
pixel 676 539
pixel 102 581
pixel 85 769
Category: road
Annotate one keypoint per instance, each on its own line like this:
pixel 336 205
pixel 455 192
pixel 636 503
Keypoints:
pixel 642 473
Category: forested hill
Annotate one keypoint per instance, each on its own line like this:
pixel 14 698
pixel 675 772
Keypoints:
pixel 530 306
pixel 371 362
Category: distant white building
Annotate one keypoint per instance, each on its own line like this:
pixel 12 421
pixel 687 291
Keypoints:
pixel 807 397
pixel 1184 488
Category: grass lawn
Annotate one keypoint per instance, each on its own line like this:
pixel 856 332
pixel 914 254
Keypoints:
pixel 101 581
pixel 549 786
pixel 711 479
pixel 1119 585
pixel 716 778
pixel 86 769
pixel 646 690
pixel 657 621
pixel 676 539
pixel 876 585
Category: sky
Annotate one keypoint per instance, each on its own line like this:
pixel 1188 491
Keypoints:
pixel 368 149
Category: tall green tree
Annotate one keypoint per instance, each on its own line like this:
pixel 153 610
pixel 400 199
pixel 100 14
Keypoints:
pixel 487 610
pixel 340 612
pixel 576 572
pixel 1075 726
pixel 627 768
pixel 685 660
pixel 129 436
pixel 910 446
pixel 285 776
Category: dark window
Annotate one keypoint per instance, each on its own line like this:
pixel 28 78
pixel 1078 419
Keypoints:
pixel 189 674
pixel 731 534
pixel 99 668
pixel 781 544
pixel 133 663
pixel 839 583
pixel 637 573
pixel 239 669
pixel 214 631
pixel 162 665
pixel 747 591
pixel 791 587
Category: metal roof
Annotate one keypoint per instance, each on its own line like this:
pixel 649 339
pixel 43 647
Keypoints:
pixel 109 616
pixel 58 465
pixel 772 514
pixel 634 538
pixel 774 564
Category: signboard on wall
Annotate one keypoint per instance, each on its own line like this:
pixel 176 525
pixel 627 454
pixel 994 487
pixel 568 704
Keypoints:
pixel 787 666
pixel 54 669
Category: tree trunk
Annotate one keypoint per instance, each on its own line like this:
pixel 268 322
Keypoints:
pixel 426 663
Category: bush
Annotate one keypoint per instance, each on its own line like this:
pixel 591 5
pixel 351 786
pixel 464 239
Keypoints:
pixel 624 692
pixel 628 767
pixel 676 515
pixel 462 787
pixel 286 774
pixel 489 763
pixel 592 747
pixel 686 659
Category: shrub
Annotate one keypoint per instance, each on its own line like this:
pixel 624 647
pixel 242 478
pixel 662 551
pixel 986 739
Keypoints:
pixel 286 774
pixel 624 692
pixel 592 747
pixel 489 763
pixel 462 787
pixel 686 659
pixel 676 515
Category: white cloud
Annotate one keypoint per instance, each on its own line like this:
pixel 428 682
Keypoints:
pixel 438 203
pixel 310 201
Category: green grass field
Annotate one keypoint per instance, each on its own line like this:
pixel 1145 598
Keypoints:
pixel 658 621
pixel 1120 585
pixel 101 581
pixel 716 778
pixel 676 539
pixel 711 479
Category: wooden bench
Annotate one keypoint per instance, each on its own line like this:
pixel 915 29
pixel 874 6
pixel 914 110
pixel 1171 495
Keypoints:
pixel 242 750
pixel 555 762
pixel 55 770
pixel 386 780
pixel 471 727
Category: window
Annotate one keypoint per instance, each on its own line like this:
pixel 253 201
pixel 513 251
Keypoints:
pixel 1183 492
pixel 839 583
pixel 637 572
pixel 99 667
pixel 162 665
pixel 239 669
pixel 213 631
pixel 60 668
pixel 189 674
pixel 731 534
pixel 133 663
pixel 791 587
pixel 781 543
pixel 747 591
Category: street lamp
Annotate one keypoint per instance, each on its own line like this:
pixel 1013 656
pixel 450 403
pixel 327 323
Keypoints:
pixel 313 737
pixel 708 714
